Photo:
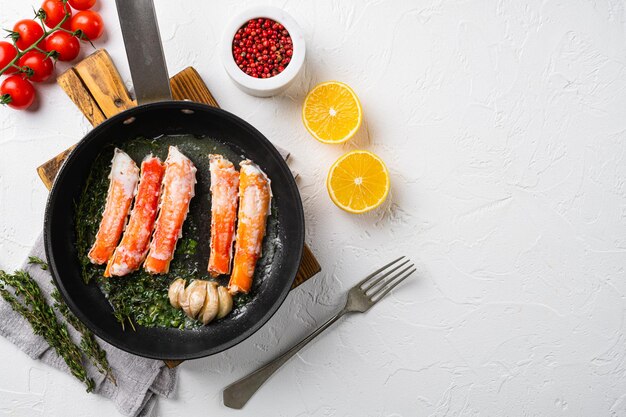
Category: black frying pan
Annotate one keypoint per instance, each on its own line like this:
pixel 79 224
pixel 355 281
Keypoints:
pixel 153 120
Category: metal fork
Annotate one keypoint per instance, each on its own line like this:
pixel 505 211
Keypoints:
pixel 361 298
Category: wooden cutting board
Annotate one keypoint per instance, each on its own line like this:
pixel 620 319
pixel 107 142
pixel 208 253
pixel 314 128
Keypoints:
pixel 95 86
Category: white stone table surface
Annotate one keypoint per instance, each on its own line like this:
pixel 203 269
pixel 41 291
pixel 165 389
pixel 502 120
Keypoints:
pixel 503 124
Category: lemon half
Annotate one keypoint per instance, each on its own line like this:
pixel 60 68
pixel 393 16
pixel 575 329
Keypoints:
pixel 358 182
pixel 332 112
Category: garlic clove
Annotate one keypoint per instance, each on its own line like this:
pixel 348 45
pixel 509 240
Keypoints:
pixel 176 287
pixel 194 297
pixel 211 304
pixel 182 297
pixel 225 302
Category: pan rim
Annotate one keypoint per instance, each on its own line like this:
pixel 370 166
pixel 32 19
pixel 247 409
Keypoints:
pixel 49 241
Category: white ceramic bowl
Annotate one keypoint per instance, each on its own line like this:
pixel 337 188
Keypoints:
pixel 264 87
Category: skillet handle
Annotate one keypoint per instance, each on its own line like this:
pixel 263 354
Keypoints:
pixel 144 50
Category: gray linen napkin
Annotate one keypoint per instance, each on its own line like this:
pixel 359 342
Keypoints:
pixel 139 380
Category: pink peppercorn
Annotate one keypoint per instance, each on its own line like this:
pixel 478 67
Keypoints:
pixel 262 48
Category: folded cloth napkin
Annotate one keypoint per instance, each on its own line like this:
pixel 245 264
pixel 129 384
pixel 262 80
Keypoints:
pixel 139 380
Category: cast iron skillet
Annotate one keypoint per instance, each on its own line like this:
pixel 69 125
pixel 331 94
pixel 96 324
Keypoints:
pixel 151 121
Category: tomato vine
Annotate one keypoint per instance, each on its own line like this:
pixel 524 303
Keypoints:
pixel 35 46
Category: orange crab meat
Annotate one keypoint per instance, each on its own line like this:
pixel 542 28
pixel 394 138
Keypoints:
pixel 134 245
pixel 177 190
pixel 224 185
pixel 123 183
pixel 254 205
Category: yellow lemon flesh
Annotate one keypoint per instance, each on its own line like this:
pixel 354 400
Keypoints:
pixel 358 182
pixel 332 112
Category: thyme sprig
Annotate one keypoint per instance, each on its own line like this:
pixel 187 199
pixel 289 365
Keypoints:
pixel 24 295
pixel 38 261
pixel 88 343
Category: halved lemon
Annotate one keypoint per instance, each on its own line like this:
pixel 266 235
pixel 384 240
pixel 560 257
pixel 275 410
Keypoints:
pixel 358 182
pixel 332 112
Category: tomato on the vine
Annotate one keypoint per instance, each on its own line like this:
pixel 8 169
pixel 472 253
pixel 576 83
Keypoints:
pixel 7 54
pixel 54 34
pixel 82 4
pixel 64 44
pixel 89 23
pixel 17 92
pixel 38 67
pixel 55 11
pixel 28 32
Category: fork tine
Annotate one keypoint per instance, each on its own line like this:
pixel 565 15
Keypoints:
pixel 379 296
pixel 385 275
pixel 373 274
pixel 376 288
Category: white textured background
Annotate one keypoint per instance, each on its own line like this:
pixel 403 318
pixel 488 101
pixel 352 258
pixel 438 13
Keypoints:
pixel 504 127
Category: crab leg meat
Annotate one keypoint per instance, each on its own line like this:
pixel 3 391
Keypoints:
pixel 123 183
pixel 224 184
pixel 176 193
pixel 134 245
pixel 254 206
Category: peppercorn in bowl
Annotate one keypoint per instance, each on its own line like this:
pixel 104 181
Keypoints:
pixel 263 51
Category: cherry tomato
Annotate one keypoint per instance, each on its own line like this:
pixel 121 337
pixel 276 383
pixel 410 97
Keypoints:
pixel 17 92
pixel 40 65
pixel 66 46
pixel 7 53
pixel 89 23
pixel 82 4
pixel 28 32
pixel 55 11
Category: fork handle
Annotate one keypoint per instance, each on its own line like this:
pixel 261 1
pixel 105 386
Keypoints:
pixel 237 394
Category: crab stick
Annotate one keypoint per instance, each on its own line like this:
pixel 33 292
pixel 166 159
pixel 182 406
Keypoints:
pixel 254 206
pixel 123 183
pixel 176 193
pixel 224 184
pixel 134 245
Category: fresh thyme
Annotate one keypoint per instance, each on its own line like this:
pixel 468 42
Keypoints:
pixel 38 261
pixel 27 299
pixel 88 343
pixel 40 315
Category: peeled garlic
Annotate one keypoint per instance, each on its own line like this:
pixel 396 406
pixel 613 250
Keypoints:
pixel 225 303
pixel 201 300
pixel 194 297
pixel 211 304
pixel 176 287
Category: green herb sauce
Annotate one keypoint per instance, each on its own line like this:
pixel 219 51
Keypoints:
pixel 141 298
